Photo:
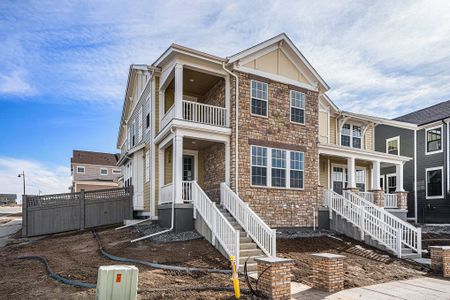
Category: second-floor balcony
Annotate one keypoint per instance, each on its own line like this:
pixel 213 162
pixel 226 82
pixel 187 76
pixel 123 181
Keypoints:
pixel 196 97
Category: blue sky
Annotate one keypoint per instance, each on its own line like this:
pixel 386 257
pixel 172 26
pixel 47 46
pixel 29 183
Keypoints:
pixel 64 64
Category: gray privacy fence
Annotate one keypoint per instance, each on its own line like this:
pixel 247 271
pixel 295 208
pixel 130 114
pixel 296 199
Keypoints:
pixel 75 211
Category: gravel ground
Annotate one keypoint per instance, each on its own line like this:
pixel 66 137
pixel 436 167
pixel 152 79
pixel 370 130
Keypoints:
pixel 170 237
pixel 293 233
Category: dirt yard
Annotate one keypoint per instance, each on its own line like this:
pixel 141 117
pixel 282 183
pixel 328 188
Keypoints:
pixel 364 265
pixel 75 256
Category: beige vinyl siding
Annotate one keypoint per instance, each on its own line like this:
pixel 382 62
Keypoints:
pixel 323 165
pixel 368 138
pixel 333 139
pixel 168 170
pixel 156 178
pixel 276 62
pixel 169 98
pixel 323 127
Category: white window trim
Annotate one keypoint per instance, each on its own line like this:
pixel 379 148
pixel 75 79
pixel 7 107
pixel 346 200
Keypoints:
pixel 351 135
pixel 84 170
pixel 397 138
pixel 116 171
pixel 442 183
pixel 193 153
pixel 269 170
pixel 104 169
pixel 267 100
pixel 442 140
pixel 290 108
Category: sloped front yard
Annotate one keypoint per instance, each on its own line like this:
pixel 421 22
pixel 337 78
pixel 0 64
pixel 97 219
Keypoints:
pixel 76 256
pixel 363 265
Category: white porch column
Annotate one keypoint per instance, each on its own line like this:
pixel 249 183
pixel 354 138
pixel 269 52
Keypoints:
pixel 177 164
pixel 351 172
pixel 399 175
pixel 227 163
pixel 178 91
pixel 161 159
pixel 376 175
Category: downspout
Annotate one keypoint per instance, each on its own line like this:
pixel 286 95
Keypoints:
pixel 236 128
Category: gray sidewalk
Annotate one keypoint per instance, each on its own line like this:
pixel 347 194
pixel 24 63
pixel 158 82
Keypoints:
pixel 411 289
pixel 9 229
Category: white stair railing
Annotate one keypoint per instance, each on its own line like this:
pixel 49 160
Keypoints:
pixel 382 225
pixel 204 113
pixel 187 191
pixel 390 200
pixel 256 228
pixel 221 229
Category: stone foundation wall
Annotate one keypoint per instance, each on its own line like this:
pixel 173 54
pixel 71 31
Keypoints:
pixel 279 207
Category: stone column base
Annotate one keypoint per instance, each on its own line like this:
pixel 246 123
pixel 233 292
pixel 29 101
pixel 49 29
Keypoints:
pixel 446 261
pixel 275 280
pixel 378 197
pixel 353 190
pixel 436 259
pixel 328 272
pixel 402 200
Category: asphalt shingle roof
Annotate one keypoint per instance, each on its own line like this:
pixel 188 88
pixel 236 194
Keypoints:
pixel 94 158
pixel 427 115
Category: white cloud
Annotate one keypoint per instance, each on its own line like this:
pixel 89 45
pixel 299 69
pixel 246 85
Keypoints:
pixel 15 83
pixel 38 176
pixel 375 55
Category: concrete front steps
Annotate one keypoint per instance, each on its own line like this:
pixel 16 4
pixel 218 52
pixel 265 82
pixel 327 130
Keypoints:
pixel 248 249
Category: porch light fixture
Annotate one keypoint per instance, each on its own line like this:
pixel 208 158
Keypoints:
pixel 191 80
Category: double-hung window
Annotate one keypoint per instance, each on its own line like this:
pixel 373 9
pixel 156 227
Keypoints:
pixel 260 97
pixel 435 184
pixel 433 140
pixel 360 180
pixel 351 136
pixel 393 145
pixel 103 171
pixel 259 166
pixel 297 169
pixel 297 107
pixel 278 168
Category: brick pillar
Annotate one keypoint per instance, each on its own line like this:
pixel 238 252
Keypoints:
pixel 446 261
pixel 275 277
pixel 328 272
pixel 378 197
pixel 436 259
pixel 402 200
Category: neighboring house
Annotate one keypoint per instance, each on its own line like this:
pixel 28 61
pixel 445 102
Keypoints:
pixel 423 135
pixel 7 199
pixel 94 170
pixel 256 132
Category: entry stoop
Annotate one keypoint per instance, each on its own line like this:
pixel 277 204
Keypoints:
pixel 249 250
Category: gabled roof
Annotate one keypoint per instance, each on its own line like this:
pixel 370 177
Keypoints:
pixel 427 115
pixel 274 40
pixel 94 158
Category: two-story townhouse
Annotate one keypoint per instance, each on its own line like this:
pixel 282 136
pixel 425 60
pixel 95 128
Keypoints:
pixel 94 170
pixel 254 132
pixel 423 135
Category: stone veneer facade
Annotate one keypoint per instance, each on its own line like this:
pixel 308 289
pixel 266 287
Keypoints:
pixel 214 170
pixel 278 207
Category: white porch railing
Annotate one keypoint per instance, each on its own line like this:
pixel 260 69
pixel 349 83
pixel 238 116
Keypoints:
pixel 367 195
pixel 168 116
pixel 187 191
pixel 204 113
pixel 384 226
pixel 390 200
pixel 221 229
pixel 260 232
pixel 166 194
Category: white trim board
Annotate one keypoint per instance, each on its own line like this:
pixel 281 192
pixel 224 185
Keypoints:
pixel 442 183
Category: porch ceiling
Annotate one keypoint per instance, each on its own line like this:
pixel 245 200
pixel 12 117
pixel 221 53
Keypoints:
pixel 198 83
pixel 195 144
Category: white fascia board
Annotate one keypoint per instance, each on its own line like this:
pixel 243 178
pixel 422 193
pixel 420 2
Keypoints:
pixel 380 120
pixel 335 150
pixel 276 77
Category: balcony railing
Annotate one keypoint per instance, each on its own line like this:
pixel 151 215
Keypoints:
pixel 204 113
pixel 367 195
pixel 390 200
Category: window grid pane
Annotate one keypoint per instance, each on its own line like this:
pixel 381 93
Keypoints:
pixel 434 183
pixel 434 140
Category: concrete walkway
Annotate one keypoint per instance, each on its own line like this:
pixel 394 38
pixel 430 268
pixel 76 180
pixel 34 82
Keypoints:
pixel 9 229
pixel 411 289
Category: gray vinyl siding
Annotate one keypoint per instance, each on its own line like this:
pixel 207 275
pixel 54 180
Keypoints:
pixel 432 210
pixel 384 132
